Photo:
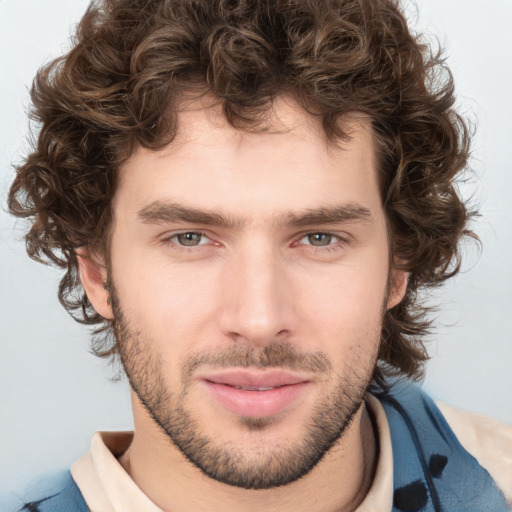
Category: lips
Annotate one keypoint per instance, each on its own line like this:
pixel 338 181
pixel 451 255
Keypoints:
pixel 256 394
pixel 255 388
pixel 251 379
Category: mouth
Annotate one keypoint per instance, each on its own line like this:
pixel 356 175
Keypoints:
pixel 256 394
pixel 253 388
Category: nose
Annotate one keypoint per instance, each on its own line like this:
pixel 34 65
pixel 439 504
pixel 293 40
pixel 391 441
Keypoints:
pixel 258 302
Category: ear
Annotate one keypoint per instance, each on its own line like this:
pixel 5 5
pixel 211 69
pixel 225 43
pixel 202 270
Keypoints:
pixel 93 275
pixel 397 286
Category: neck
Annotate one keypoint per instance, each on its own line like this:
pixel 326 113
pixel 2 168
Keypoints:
pixel 338 483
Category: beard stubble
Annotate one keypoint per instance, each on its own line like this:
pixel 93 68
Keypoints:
pixel 265 466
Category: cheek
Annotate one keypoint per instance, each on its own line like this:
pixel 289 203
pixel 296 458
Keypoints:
pixel 346 303
pixel 161 298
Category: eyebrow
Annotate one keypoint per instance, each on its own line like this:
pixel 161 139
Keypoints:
pixel 161 212
pixel 346 213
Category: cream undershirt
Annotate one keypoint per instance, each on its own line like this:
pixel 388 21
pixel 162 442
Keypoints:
pixel 106 487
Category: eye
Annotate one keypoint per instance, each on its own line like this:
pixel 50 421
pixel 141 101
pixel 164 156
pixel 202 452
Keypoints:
pixel 319 239
pixel 189 239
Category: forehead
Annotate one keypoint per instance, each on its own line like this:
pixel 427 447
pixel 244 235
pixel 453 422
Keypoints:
pixel 285 163
pixel 201 121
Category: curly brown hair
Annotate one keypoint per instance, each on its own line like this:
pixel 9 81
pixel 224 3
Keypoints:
pixel 120 87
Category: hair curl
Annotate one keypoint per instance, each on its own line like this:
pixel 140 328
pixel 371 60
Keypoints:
pixel 120 86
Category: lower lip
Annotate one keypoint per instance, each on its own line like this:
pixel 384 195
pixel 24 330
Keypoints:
pixel 256 404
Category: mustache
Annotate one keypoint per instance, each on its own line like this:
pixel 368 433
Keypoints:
pixel 273 355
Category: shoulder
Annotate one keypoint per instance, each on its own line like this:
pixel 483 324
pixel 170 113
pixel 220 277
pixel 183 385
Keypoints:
pixel 54 493
pixel 473 453
pixel 488 440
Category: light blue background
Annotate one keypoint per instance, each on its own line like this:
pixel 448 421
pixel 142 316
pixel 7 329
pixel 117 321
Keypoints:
pixel 54 394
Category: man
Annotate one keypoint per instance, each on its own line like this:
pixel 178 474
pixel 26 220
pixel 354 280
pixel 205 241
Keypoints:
pixel 249 196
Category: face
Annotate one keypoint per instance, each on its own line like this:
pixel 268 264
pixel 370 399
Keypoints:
pixel 249 277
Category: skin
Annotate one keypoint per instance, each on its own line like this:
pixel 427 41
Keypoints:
pixel 318 286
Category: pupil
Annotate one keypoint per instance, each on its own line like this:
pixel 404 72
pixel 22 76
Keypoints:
pixel 320 239
pixel 189 238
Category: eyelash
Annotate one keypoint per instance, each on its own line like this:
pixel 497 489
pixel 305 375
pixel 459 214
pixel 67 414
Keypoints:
pixel 339 241
pixel 181 247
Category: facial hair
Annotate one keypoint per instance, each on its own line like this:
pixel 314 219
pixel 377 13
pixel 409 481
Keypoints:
pixel 264 466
